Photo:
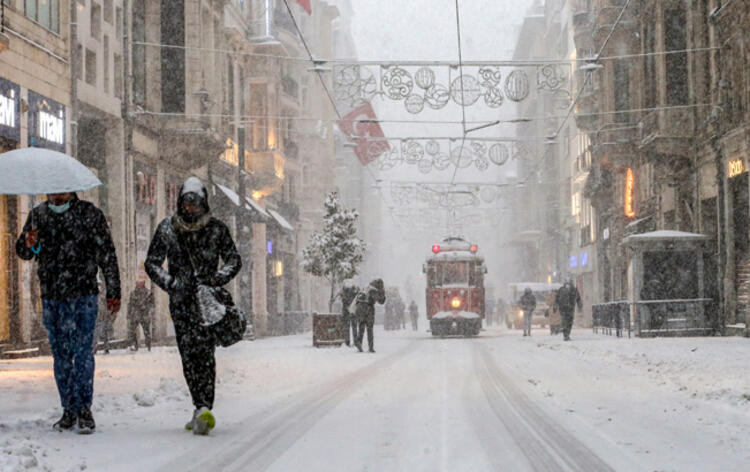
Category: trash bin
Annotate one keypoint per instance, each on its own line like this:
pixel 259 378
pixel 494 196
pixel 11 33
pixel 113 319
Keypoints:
pixel 327 329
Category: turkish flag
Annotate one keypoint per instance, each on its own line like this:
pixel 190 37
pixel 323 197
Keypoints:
pixel 361 124
pixel 306 5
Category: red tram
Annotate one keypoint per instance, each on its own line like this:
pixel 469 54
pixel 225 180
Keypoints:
pixel 455 288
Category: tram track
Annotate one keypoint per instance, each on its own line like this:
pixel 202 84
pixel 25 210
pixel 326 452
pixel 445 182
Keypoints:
pixel 546 445
pixel 265 436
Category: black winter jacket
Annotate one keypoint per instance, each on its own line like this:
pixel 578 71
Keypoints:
pixel 528 302
pixel 206 246
pixel 74 246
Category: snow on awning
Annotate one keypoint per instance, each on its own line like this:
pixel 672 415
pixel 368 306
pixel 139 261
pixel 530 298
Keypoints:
pixel 252 205
pixel 281 220
pixel 229 193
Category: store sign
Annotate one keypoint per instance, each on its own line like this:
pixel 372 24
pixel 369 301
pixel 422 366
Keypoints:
pixel 573 262
pixel 735 167
pixel 583 259
pixel 629 187
pixel 46 122
pixel 10 117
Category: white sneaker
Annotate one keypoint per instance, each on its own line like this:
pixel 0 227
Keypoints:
pixel 203 422
pixel 191 424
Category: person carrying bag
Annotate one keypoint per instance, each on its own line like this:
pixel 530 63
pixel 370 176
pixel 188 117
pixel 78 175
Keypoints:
pixel 193 243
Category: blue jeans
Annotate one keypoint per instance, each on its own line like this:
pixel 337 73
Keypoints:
pixel 70 326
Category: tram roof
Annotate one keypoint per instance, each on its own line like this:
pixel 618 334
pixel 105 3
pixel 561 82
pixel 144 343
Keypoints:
pixel 447 256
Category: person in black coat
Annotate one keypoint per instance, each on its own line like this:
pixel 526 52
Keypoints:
pixel 347 294
pixel 413 314
pixel 566 301
pixel 71 241
pixel 527 303
pixel 365 311
pixel 193 242
pixel 141 308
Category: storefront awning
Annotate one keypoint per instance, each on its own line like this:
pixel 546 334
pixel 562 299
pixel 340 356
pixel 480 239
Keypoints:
pixel 255 210
pixel 281 220
pixel 252 204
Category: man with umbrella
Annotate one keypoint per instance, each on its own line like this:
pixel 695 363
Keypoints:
pixel 71 241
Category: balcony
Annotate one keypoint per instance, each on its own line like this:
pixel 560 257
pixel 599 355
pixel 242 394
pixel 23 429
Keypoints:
pixel 4 39
pixel 192 142
pixel 267 170
pixel 667 132
pixel 290 87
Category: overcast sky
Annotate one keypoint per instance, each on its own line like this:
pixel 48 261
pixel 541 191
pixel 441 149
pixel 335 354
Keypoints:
pixel 425 30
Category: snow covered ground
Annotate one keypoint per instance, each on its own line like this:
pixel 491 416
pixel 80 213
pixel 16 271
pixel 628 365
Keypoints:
pixel 419 403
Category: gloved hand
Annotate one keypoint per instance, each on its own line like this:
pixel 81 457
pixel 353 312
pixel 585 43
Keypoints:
pixel 113 305
pixel 176 285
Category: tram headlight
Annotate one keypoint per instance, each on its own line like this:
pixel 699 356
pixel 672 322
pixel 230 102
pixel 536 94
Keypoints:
pixel 456 302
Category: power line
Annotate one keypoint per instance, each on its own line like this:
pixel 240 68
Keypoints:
pixel 463 100
pixel 416 63
pixel 312 59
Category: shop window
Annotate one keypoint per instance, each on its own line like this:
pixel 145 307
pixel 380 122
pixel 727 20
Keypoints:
pixel 107 12
pixel 118 24
pixel 90 67
pixel 105 64
pixel 139 52
pixel 172 59
pixel 96 20
pixel 675 39
pixel 118 76
pixel 44 12
pixel 622 90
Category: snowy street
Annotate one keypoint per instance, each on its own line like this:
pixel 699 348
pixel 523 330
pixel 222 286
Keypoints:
pixel 496 402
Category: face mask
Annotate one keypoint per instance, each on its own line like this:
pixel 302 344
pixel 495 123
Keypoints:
pixel 59 208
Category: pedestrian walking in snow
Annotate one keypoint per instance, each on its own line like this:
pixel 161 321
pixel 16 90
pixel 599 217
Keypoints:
pixel 502 311
pixel 413 314
pixel 141 309
pixel 400 313
pixel 365 311
pixel 566 301
pixel 104 329
pixel 527 303
pixel 71 242
pixel 193 242
pixel 347 295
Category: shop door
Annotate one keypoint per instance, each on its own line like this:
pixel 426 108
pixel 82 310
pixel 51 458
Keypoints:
pixel 739 192
pixel 738 187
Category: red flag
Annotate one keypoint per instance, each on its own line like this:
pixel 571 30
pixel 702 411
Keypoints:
pixel 306 5
pixel 360 124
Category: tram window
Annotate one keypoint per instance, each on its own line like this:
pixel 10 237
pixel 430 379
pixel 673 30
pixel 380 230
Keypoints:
pixel 455 273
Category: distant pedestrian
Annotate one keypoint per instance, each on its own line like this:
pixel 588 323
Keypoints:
pixel 71 241
pixel 566 301
pixel 193 242
pixel 489 310
pixel 141 309
pixel 527 303
pixel 400 313
pixel 502 311
pixel 347 295
pixel 104 321
pixel 413 314
pixel 365 311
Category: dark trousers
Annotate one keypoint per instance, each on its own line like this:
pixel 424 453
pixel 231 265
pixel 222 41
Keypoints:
pixel 133 323
pixel 196 346
pixel 567 322
pixel 70 327
pixel 366 324
pixel 350 329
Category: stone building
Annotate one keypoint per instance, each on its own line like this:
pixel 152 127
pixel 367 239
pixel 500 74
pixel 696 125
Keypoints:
pixel 35 107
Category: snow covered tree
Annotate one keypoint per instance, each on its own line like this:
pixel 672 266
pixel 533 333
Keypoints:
pixel 336 252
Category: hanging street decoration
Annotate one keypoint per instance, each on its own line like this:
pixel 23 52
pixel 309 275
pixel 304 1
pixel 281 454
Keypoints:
pixel 439 153
pixel 445 195
pixel 433 86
